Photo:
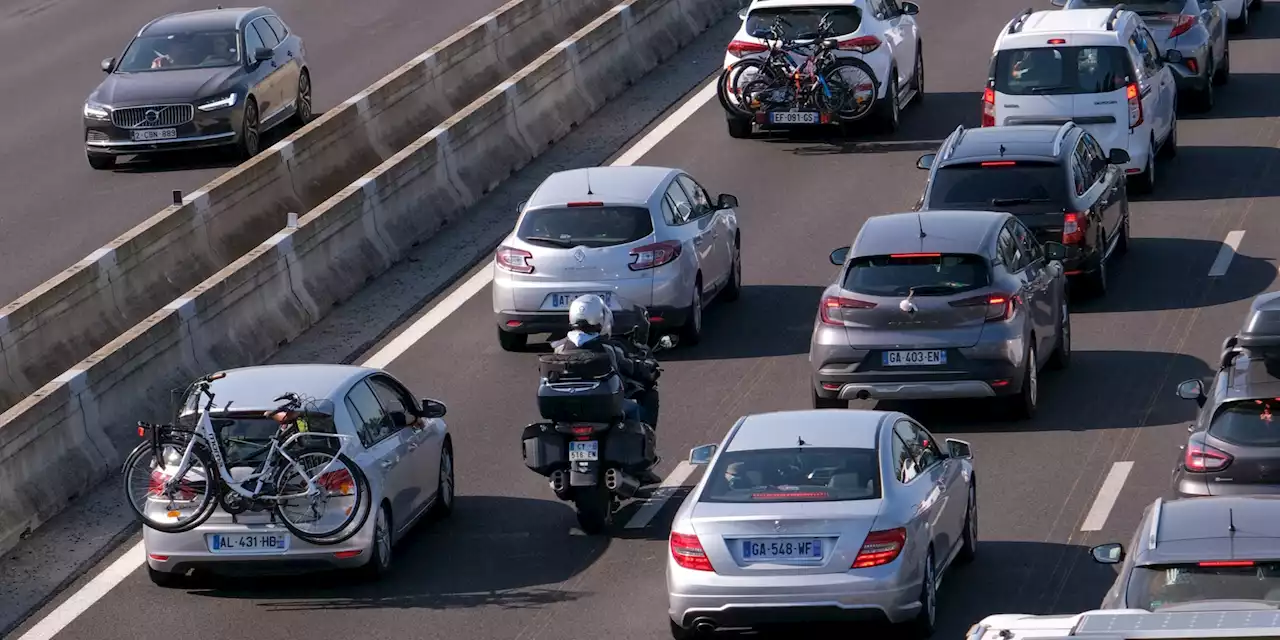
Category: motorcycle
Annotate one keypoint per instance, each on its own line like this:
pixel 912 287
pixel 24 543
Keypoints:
pixel 592 456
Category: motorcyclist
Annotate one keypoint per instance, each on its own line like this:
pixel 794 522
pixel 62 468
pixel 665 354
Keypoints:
pixel 591 329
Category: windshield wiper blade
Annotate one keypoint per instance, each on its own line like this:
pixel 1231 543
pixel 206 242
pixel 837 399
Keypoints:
pixel 925 289
pixel 568 244
pixel 1004 202
pixel 1056 87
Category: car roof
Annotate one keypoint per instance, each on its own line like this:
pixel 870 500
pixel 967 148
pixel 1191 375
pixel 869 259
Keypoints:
pixel 204 20
pixel 1019 142
pixel 771 4
pixel 1199 529
pixel 1088 26
pixel 945 231
pixel 256 388
pixel 611 185
pixel 838 428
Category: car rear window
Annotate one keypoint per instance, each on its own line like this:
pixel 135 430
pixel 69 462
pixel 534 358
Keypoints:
pixel 1056 71
pixel 194 50
pixel 585 226
pixel 802 474
pixel 1248 423
pixel 1023 186
pixel 801 23
pixel 929 274
pixel 1141 8
pixel 1152 587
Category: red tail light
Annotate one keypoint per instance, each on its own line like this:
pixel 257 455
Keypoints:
pixel 1226 563
pixel 880 547
pixel 1074 226
pixel 155 487
pixel 861 44
pixel 336 483
pixel 999 306
pixel 688 552
pixel 654 255
pixel 1201 457
pixel 739 48
pixel 836 303
pixel 1134 95
pixel 513 260
pixel 1184 25
pixel 585 204
pixel 988 107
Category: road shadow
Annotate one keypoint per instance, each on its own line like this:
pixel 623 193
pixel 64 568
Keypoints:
pixel 1263 25
pixel 1160 274
pixel 1100 390
pixel 492 552
pixel 1249 95
pixel 768 320
pixel 194 160
pixel 923 127
pixel 1216 173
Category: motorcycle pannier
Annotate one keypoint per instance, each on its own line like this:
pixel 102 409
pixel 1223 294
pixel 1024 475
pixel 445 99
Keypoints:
pixel 544 449
pixel 579 386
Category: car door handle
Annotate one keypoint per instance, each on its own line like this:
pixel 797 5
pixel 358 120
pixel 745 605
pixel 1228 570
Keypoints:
pixel 290 53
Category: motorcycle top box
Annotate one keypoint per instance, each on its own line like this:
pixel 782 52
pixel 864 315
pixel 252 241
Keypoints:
pixel 580 386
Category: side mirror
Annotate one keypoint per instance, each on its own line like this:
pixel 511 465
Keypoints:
pixel 520 207
pixel 262 54
pixel 702 455
pixel 839 256
pixel 959 449
pixel 1118 156
pixel 1058 3
pixel 398 419
pixel 1192 390
pixel 742 14
pixel 910 8
pixel 108 65
pixel 726 201
pixel 1110 553
pixel 1173 56
pixel 433 408
pixel 1055 251
pixel 926 161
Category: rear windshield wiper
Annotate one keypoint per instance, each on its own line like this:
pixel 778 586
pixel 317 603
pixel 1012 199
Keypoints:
pixel 1056 87
pixel 926 289
pixel 568 244
pixel 1004 202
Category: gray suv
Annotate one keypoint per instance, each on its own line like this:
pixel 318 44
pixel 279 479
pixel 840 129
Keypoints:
pixel 941 304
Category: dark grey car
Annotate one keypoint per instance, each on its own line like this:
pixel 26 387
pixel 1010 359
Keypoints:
pixel 941 304
pixel 1189 553
pixel 200 79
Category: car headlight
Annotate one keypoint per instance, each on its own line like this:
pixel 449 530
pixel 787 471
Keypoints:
pixel 96 111
pixel 228 100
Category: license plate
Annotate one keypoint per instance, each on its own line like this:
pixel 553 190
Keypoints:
pixel 580 451
pixel 248 542
pixel 563 300
pixel 793 117
pixel 154 134
pixel 782 549
pixel 914 358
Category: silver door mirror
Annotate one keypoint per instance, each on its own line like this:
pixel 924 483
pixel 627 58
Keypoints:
pixel 926 161
pixel 839 256
pixel 1192 390
pixel 1173 56
pixel 703 454
pixel 959 449
pixel 742 14
pixel 1110 553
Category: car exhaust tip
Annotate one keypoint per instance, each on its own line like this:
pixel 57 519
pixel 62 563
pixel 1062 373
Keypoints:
pixel 704 625
pixel 863 394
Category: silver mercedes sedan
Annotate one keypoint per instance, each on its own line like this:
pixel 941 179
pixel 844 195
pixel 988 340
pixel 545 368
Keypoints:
pixel 824 515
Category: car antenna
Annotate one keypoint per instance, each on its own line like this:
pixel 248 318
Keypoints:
pixel 800 442
pixel 1002 150
pixel 1231 520
pixel 589 191
pixel 920 224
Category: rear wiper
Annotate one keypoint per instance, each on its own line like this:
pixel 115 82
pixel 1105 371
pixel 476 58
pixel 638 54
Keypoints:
pixel 1057 87
pixel 926 289
pixel 568 244
pixel 1004 202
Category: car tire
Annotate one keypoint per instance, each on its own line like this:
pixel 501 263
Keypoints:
pixel 164 578
pixel 512 341
pixel 1205 98
pixel 925 622
pixel 820 402
pixel 446 489
pixel 1023 405
pixel 733 290
pixel 1241 24
pixel 379 564
pixel 889 112
pixel 1170 148
pixel 1145 182
pixel 1122 245
pixel 302 114
pixel 969 537
pixel 739 128
pixel 101 161
pixel 918 81
pixel 1061 357
pixel 1256 5
pixel 250 142
pixel 1098 281
pixel 1223 74
pixel 691 332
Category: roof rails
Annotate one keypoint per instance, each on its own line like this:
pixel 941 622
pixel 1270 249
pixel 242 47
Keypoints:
pixel 1113 16
pixel 1020 20
pixel 955 137
pixel 1154 534
pixel 1061 135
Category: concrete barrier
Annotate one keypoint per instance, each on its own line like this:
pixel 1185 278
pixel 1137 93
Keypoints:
pixel 65 319
pixel 69 434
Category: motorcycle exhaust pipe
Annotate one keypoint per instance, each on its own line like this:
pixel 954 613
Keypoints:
pixel 559 483
pixel 621 483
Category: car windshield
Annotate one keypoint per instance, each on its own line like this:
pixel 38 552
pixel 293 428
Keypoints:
pixel 567 227
pixel 1145 7
pixel 1056 71
pixel 1249 423
pixel 1152 587
pixel 1020 187
pixel 195 50
pixel 801 23
pixel 804 474
pixel 928 274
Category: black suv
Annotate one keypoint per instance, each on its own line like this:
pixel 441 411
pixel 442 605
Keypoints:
pixel 1234 446
pixel 1055 179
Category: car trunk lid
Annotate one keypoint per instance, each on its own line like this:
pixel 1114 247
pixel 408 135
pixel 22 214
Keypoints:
pixel 832 533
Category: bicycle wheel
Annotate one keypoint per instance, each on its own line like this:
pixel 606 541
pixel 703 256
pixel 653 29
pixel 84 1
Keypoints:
pixel 338 511
pixel 853 89
pixel 183 506
pixel 733 80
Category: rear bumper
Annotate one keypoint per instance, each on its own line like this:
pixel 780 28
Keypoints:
pixel 978 379
pixel 178 552
pixel 1195 485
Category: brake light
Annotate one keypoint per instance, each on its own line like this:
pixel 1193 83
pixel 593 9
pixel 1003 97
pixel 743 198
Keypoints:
pixel 915 255
pixel 988 107
pixel 1201 457
pixel 513 260
pixel 1001 163
pixel 1134 96
pixel 185 491
pixel 1184 25
pixel 861 44
pixel 585 204
pixel 336 483
pixel 739 48
pixel 837 303
pixel 1057 41
pixel 1226 563
pixel 1074 226
pixel 880 547
pixel 654 255
pixel 999 306
pixel 582 430
pixel 688 552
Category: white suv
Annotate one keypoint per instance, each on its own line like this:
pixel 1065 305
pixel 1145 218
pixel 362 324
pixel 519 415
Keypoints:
pixel 882 33
pixel 1098 67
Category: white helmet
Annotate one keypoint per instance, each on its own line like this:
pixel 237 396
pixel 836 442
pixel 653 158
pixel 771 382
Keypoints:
pixel 590 314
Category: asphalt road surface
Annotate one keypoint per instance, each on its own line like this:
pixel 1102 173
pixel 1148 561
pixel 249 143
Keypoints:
pixel 509 563
pixel 56 209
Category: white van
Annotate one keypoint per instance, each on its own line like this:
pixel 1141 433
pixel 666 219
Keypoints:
pixel 1098 67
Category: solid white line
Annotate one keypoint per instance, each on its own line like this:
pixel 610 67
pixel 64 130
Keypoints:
pixel 667 126
pixel 77 604
pixel 431 320
pixel 661 495
pixel 1107 496
pixel 1225 254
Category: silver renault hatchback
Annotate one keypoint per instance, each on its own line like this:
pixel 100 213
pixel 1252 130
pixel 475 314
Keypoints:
pixel 941 304
pixel 647 236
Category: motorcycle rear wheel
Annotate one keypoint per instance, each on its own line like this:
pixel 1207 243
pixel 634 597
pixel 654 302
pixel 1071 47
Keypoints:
pixel 594 507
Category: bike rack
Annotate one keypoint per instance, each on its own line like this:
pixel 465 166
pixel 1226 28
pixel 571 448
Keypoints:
pixel 1019 20
pixel 1111 17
